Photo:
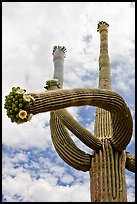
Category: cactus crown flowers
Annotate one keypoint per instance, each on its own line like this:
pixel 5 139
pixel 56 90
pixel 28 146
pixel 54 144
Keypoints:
pixel 59 48
pixel 17 105
pixel 102 23
pixel 53 82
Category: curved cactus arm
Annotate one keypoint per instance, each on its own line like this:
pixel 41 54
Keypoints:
pixel 78 130
pixel 121 117
pixel 122 129
pixel 65 146
pixel 130 162
pixel 59 99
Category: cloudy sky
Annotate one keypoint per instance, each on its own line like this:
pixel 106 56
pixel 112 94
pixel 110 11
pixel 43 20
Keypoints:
pixel 32 170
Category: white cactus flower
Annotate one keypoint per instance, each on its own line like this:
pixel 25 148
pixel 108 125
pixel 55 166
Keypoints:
pixel 33 99
pixel 30 116
pixel 26 98
pixel 20 91
pixel 22 114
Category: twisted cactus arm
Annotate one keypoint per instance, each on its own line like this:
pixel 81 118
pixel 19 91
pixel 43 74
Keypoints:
pixel 78 130
pixel 62 141
pixel 65 146
pixel 130 162
pixel 108 100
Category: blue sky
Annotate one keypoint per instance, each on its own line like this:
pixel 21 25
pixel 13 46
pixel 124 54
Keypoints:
pixel 31 169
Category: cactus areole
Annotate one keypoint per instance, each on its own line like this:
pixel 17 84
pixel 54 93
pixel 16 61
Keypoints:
pixel 112 129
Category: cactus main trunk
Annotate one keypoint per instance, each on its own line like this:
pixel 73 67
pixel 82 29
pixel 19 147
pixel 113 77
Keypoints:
pixel 108 166
pixel 107 175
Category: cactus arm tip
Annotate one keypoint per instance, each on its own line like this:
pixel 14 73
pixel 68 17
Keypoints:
pixel 130 162
pixel 101 23
pixel 17 105
pixel 59 48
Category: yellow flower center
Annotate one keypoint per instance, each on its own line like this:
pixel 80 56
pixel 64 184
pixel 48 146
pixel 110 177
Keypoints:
pixel 22 114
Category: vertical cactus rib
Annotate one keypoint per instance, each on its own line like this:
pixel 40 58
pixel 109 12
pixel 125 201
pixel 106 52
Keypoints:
pixel 65 146
pixel 116 174
pixel 102 135
pixel 92 178
pixel 124 196
pixel 96 175
pixel 101 174
pixel 105 189
pixel 130 162
pixel 112 166
pixel 120 176
pixel 78 130
pixel 105 99
pixel 122 183
pixel 109 184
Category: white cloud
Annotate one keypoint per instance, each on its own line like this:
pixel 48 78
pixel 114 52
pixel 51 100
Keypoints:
pixel 131 194
pixel 42 191
pixel 30 134
pixel 67 178
pixel 130 180
pixel 19 181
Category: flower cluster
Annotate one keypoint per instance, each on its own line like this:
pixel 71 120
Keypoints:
pixel 51 83
pixel 102 23
pixel 59 48
pixel 17 105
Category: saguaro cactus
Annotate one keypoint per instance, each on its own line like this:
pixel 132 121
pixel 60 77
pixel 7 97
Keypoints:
pixel 112 130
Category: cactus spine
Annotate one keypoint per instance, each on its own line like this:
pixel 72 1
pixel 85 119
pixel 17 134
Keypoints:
pixel 112 130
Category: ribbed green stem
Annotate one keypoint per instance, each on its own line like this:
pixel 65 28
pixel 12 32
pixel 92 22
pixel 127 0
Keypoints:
pixel 65 146
pixel 110 149
pixel 122 183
